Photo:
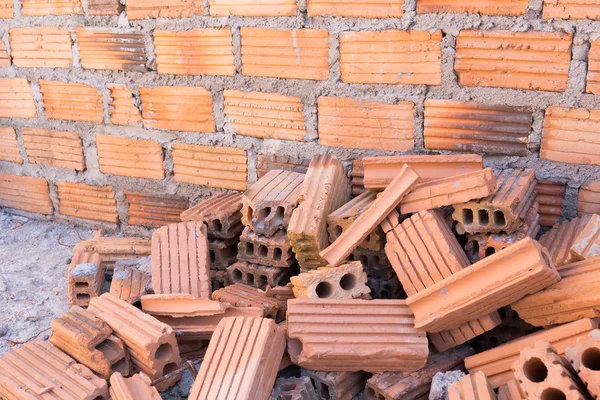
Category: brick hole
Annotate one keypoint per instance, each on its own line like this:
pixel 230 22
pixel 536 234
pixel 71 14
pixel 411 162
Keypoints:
pixel 323 391
pixel 288 387
pixel 217 225
pixel 137 304
pixel 484 217
pixel 262 282
pixel 535 370
pixel 324 290
pixel 364 260
pixel 99 398
pixel 278 218
pixel 499 219
pixel 467 216
pixel 262 215
pixel 376 260
pixel 553 394
pixel 211 255
pixel 230 252
pixel 263 251
pixel 249 249
pixel 591 359
pixel 490 251
pixel 83 296
pixel 164 352
pixel 493 342
pixel 337 230
pixel 370 393
pixel 250 279
pixel 121 366
pixel 348 282
pixel 110 350
pixel 81 285
pixel 277 254
pixel 294 347
pixel 384 294
pixel 474 251
pixel 170 367
pixel 236 275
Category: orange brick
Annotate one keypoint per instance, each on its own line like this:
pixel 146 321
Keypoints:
pixel 130 157
pixel 253 8
pixel 593 77
pixel 265 115
pixel 572 9
pixel 6 9
pixel 123 109
pixel 142 9
pixel 71 101
pixel 25 193
pixel 113 249
pixel 16 100
pixel 361 9
pixel 178 108
pixel 88 202
pixel 396 57
pixel 194 52
pixel 366 124
pixel 106 49
pixel 268 162
pixel 589 199
pixel 571 135
pixel 153 211
pixel 104 7
pixel 221 167
pixel 54 148
pixel 42 47
pixel 4 57
pixel 496 7
pixel 518 60
pixel 285 53
pixel 550 197
pixel 9 146
pixel 31 8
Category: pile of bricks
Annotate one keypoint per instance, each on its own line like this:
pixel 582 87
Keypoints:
pixel 310 285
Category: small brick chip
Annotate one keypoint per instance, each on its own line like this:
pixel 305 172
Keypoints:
pixel 135 388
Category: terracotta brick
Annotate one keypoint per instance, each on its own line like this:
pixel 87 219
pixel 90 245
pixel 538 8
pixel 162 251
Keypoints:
pixel 293 389
pixel 39 369
pixel 264 115
pixel 550 197
pixel 136 387
pixel 104 7
pixel 268 162
pixel 142 9
pixel 129 282
pixel 336 385
pixel 593 77
pixel 32 8
pixel 347 281
pixel 6 9
pixel 502 7
pixel 9 146
pixel 90 341
pixel 130 157
pixel 88 202
pixel 178 108
pixel 571 135
pixel 220 167
pixel 589 199
pixel 221 213
pixel 4 57
pixel 561 237
pixel 380 171
pixel 85 278
pixel 275 251
pixel 113 249
pixel 571 9
pixel 587 243
pixel 16 100
pixel 41 47
pixel 363 9
pixel 584 357
pixel 283 293
pixel 475 127
pixel 180 261
pixel 240 295
pixel 471 387
pixel 108 49
pixel 25 193
pixel 518 60
pixel 395 57
pixel 358 176
pixel 252 8
pixel 218 279
pixel 71 101
pixel 259 276
pixel 123 107
pixel 511 391
pixel 285 53
pixel 153 211
pixel 53 148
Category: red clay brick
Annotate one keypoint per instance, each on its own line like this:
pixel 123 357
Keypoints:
pixel 252 8
pixel 85 278
pixel 561 237
pixel 4 57
pixel 347 281
pixel 518 60
pixel 593 77
pixel 114 249
pixel 362 9
pixel 123 110
pixel 6 8
pixel 511 391
pixel 221 213
pixel 275 251
pixel 9 146
pixel 25 193
pixel 54 148
pixel 259 276
pixel 108 49
pixel 358 177
pixel 32 8
pixel 285 53
pixel 136 387
pixel 300 388
pixel 130 157
pixel 153 211
pixel 471 387
pixel 41 47
pixel 142 9
pixel 16 100
pixel 88 202
pixel 71 101
pixel 129 283
pixel 589 199
pixel 240 295
pixel 550 197
pixel 104 7
pixel 587 243
pixel 584 356
pixel 572 9
pixel 268 162
pixel 336 385
pixel 501 7
pixel 395 57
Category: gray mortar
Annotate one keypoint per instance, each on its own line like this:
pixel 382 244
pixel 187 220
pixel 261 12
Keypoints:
pixel 84 269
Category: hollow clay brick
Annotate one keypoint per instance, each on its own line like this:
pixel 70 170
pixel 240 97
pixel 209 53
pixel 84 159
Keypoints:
pixel 222 252
pixel 259 276
pixel 180 260
pixel 90 341
pixel 293 389
pixel 587 243
pixel 336 385
pixel 375 263
pixel 593 77
pixel 269 203
pixel 520 60
pixel 220 167
pixel 550 197
pixel 354 335
pixel 414 385
pixel 25 193
pixel 138 387
pixel 39 370
pixel 358 176
pixel 104 7
pixel 366 124
pixel 113 249
pixel 501 211
pixel 364 9
pixel 122 106
pixel 283 293
pixel 285 53
pixel 85 277
pixel 583 356
pixel 392 56
pixel 347 281
pixel 252 8
pixel 194 52
pixel 191 349
pixel 561 237
pixel 16 99
pixel 142 9
pixel 570 135
pixel 87 202
pixel 497 362
pixel 588 201
pixel 571 9
pixel 41 47
pixel 466 296
pixel 242 360
pixel 33 8
pixel 151 344
pixel 275 251
pixel 240 295
pixel 53 148
pixel 71 101
pixel 153 211
pixel 221 213
pixel 294 163
pixel 4 56
pixel 366 222
pixel 450 338
pixel 264 115
pixel 112 50
pixel 218 279
pixel 129 283
pixel 502 7
pixel 471 387
pixel 511 391
pixel 324 190
pixel 385 288
pixel 6 9
pixel 9 145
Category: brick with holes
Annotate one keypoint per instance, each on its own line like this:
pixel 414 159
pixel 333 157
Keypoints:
pixel 137 387
pixel 218 279
pixel 222 252
pixel 585 358
pixel 274 251
pixel 85 277
pixel 259 276
pixel 375 263
pixel 347 281
pixel 240 295
pixel 336 385
pixel 222 214
pixel 385 288
pixel 471 387
pixel 113 249
pixel 293 389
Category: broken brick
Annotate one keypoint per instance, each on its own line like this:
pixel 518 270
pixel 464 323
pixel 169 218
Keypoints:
pixel 275 251
pixel 365 9
pixel 293 389
pixel 561 237
pixel 142 9
pixel 336 385
pixel 511 391
pixel 588 201
pixel 113 249
pixel 71 101
pixel 382 288
pixel 95 203
pixel 129 281
pixel 153 211
pixel 135 388
pixel 283 293
pixel 259 276
pixel 571 9
pixel 34 8
pixel 593 77
pixel 9 150
pixel 85 278
pixel 268 162
pixel 130 157
pixel 104 7
pixel 550 197
pixel 471 387
pixel 222 252
pixel 54 148
pixel 41 47
pixel 218 279
pixel 123 109
pixel 111 50
pixel 252 8
pixel 587 244
pixel 583 355
pixel 347 281
pixel 16 99
pixel 240 295
pixel 221 213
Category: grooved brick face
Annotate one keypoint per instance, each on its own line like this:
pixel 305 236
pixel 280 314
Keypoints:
pixel 253 8
pixel 194 52
pixel 496 7
pixel 104 49
pixel 153 211
pixel 141 9
pixel 4 57
pixel 589 199
pixel 130 157
pixel 365 124
pixel 88 202
pixel 31 8
pixel 104 7
pixel 16 100
pixel 518 60
pixel 393 57
pixel 571 135
pixel 71 101
pixel 358 9
pixel 572 9
pixel 54 148
pixel 25 193
pixel 9 146
pixel 123 110
pixel 43 47
pixel 6 8
pixel 285 53
pixel 593 78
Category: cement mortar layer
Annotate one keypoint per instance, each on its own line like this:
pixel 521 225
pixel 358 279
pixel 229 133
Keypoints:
pixel 573 175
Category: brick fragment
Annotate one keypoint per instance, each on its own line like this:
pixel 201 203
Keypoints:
pixel 9 146
pixel 220 167
pixel 561 237
pixel 347 281
pixel 252 8
pixel 4 56
pixel 95 203
pixel 131 280
pixel 502 7
pixel 283 293
pixel 221 213
pixel 90 341
pixel 584 358
pixel 16 99
pixel 511 391
pixel 41 47
pixel 293 389
pixel 275 251
pixel 104 7
pixel 571 9
pixel 336 385
pixel 108 49
pixel 358 176
pixel 285 53
pixel 364 9
pixel 268 162
pixel 593 77
pixel 34 8
pixel 130 157
pixel 550 197
pixel 259 276
pixel 136 387
pixel 153 211
pixel 587 243
pixel 222 252
pixel 471 387
pixel 25 193
pixel 365 124
pixel 39 369
pixel 240 295
pixel 113 249
pixel 393 56
pixel 123 109
pixel 142 9
pixel 518 60
pixel 71 101
pixel 6 9
pixel 588 201
pixel 85 278
pixel 218 279
pixel 53 148
pixel 382 288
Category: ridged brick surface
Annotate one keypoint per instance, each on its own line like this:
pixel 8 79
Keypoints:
pixel 41 47
pixel 6 8
pixel 9 146
pixel 583 356
pixel 129 283
pixel 106 49
pixel 358 9
pixel 550 197
pixel 589 199
pixel 358 176
pixel 501 7
pixel 285 53
pixel 153 211
pixel 136 387
pixel 587 244
pixel 471 387
pixel 571 9
pixel 394 57
pixel 561 237
pixel 130 157
pixel 252 8
pixel 32 8
pixel 240 295
pixel 88 202
pixel 71 101
pixel 104 7
pixel 123 110
pixel 457 126
pixel 113 249
pixel 511 391
pixel 194 52
pixel 336 385
pixel 264 115
pixel 85 277
pixel 16 100
pixel 571 135
pixel 142 9
pixel 593 78
pixel 25 193
pixel 347 281
pixel 222 213
pixel 267 162
pixel 365 124
pixel 519 60
pixel 53 148
pixel 4 57
pixel 221 167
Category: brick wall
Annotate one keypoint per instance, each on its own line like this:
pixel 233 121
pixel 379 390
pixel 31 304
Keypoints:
pixel 99 99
